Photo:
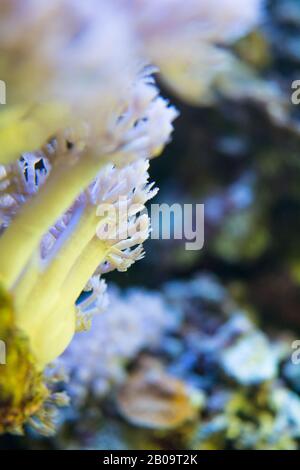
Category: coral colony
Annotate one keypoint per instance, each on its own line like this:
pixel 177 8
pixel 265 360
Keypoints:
pixel 142 316
pixel 208 375
pixel 83 117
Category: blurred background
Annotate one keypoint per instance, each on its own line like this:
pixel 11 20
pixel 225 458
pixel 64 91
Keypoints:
pixel 197 349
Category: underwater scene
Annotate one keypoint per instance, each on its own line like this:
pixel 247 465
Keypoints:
pixel 149 225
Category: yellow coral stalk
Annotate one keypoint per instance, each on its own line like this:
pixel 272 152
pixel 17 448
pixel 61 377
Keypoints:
pixel 22 237
pixel 22 390
pixel 26 128
pixel 51 328
pixel 48 279
pixel 45 299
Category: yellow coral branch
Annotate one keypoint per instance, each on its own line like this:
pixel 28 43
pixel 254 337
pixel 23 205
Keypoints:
pixel 22 390
pixel 38 287
pixel 24 128
pixel 22 237
pixel 50 330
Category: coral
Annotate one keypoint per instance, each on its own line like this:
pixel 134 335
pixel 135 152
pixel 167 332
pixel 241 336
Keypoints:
pixel 152 399
pixel 22 388
pixel 95 359
pixel 213 380
pixel 27 394
pixel 250 361
pixel 184 39
pixel 83 119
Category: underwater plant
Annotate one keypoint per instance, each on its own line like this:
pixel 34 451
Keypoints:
pixel 82 119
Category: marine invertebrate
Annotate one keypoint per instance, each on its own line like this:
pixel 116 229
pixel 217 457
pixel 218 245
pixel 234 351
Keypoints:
pixel 151 398
pixel 191 42
pixel 129 323
pixel 55 237
pixel 211 380
pixel 76 139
